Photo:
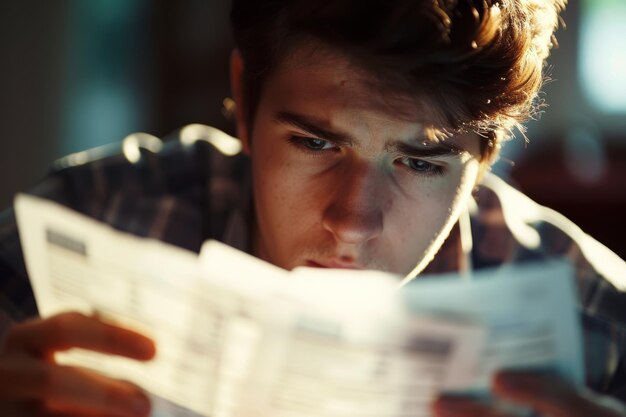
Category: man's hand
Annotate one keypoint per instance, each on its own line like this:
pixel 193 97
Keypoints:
pixel 32 384
pixel 546 394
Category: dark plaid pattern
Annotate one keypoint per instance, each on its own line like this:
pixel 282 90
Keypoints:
pixel 184 194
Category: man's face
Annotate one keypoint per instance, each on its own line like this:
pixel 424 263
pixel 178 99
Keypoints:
pixel 341 180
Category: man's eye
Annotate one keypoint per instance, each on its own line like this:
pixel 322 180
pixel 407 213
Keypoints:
pixel 422 166
pixel 313 144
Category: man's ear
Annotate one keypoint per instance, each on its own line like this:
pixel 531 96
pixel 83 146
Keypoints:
pixel 236 86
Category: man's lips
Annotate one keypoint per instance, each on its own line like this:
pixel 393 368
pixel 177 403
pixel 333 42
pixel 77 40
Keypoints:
pixel 332 264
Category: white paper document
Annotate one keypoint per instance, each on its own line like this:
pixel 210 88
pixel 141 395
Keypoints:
pixel 238 337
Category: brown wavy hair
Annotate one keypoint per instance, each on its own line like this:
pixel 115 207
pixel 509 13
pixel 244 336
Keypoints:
pixel 480 62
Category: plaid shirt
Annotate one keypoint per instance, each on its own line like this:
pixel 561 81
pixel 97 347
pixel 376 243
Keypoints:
pixel 184 192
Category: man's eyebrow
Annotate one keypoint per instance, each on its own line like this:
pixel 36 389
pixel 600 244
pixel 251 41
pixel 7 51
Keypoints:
pixel 313 127
pixel 316 127
pixel 429 150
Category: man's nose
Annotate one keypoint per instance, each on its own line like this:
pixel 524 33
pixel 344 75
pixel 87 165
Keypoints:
pixel 355 212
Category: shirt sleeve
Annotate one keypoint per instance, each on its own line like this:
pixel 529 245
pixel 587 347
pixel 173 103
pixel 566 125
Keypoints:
pixel 17 301
pixel 16 297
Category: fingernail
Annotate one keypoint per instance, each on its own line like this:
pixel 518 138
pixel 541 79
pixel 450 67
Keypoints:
pixel 140 405
pixel 145 349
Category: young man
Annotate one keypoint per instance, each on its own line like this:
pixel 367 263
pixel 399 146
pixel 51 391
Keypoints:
pixel 368 124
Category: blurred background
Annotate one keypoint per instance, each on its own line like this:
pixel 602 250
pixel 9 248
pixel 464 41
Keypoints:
pixel 76 74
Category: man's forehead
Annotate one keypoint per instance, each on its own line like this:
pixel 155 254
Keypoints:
pixel 318 73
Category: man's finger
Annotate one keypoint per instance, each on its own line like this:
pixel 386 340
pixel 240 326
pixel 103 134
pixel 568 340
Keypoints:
pixel 453 406
pixel 547 394
pixel 79 391
pixel 21 379
pixel 22 409
pixel 70 330
pixel 76 391
pixel 35 409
